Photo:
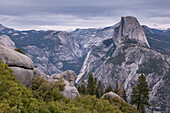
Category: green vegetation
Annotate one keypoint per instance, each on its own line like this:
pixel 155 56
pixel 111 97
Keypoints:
pixel 82 88
pixel 120 91
pixel 99 89
pixel 108 89
pixel 123 106
pixel 118 59
pixel 47 91
pixel 140 94
pixel 45 97
pixel 152 65
pixel 91 85
pixel 19 50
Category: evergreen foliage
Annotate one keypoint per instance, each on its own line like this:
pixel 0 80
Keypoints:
pixel 123 106
pixel 82 88
pixel 124 96
pixel 91 85
pixel 140 94
pixel 108 89
pixel 45 97
pixel 19 50
pixel 99 89
pixel 116 88
pixel 48 91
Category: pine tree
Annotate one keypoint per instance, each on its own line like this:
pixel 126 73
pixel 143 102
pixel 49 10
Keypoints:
pixel 124 96
pixel 82 87
pixel 108 89
pixel 95 81
pixel 116 90
pixel 91 85
pixel 140 94
pixel 97 93
pixel 99 89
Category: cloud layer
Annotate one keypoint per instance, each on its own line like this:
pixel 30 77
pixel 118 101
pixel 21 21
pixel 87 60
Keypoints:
pixel 70 14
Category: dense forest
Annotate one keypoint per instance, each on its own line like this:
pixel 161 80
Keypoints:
pixel 45 97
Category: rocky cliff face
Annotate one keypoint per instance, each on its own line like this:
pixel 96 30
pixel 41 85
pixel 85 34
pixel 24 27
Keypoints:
pixel 129 28
pixel 51 51
pixel 159 40
pixel 90 37
pixel 124 57
pixel 5 39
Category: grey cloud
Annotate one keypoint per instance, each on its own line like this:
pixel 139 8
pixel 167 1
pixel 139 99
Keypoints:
pixel 45 12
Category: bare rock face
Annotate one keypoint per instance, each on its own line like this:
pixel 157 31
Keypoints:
pixel 68 75
pixel 111 94
pixel 5 39
pixel 130 28
pixel 70 90
pixel 24 75
pixel 37 72
pixel 13 58
pixel 20 64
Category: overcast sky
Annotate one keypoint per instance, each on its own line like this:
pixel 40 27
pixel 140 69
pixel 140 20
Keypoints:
pixel 71 14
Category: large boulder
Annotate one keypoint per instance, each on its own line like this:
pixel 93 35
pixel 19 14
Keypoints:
pixel 5 39
pixel 111 95
pixel 37 72
pixel 19 63
pixel 24 75
pixel 68 75
pixel 13 58
pixel 70 91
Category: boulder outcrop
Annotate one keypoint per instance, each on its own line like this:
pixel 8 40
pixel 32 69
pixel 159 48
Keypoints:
pixel 68 75
pixel 20 64
pixel 70 90
pixel 111 95
pixel 13 58
pixel 25 72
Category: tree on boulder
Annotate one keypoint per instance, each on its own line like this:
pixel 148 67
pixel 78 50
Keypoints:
pixel 116 88
pixel 140 94
pixel 19 50
pixel 108 89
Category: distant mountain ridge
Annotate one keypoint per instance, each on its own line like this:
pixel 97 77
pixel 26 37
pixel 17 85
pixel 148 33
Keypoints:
pixel 116 53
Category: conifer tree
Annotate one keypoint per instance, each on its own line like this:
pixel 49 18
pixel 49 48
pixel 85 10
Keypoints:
pixel 108 89
pixel 95 81
pixel 124 96
pixel 91 85
pixel 82 87
pixel 99 89
pixel 140 94
pixel 116 90
pixel 97 93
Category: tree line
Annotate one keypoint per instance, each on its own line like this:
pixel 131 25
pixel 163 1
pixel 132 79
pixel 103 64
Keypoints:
pixel 45 97
pixel 139 96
